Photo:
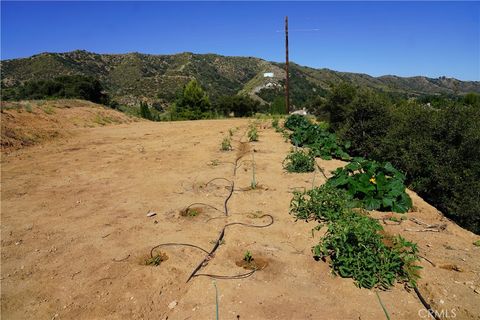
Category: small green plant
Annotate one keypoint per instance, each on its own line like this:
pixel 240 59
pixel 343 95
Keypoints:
pixel 156 260
pixel 299 161
pixel 226 144
pixel 252 133
pixel 253 183
pixel 477 243
pixel 214 163
pixel 247 257
pixel 232 131
pixel 28 108
pixel 48 109
pixel 376 186
pixel 192 212
pixel 275 124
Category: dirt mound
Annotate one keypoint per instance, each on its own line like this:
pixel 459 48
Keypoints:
pixel 26 123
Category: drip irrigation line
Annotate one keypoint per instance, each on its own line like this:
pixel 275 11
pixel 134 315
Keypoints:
pixel 222 235
pixel 121 260
pixel 176 244
pixel 218 178
pixel 382 305
pixel 228 198
pixel 223 277
pixel 203 204
pixel 426 305
pixel 322 171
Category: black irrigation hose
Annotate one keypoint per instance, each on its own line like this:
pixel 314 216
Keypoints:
pixel 223 277
pixel 203 204
pixel 220 238
pixel 426 305
pixel 228 198
pixel 218 178
pixel 176 244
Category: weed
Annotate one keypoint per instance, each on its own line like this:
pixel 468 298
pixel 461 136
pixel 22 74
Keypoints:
pixel 476 243
pixel 156 260
pixel 247 257
pixel 252 133
pixel 232 131
pixel 299 161
pixel 253 183
pixel 214 163
pixel 28 108
pixel 48 109
pixel 226 144
pixel 275 124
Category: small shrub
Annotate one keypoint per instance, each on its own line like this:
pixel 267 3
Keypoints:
pixel 324 203
pixel 247 257
pixel 226 144
pixel 156 260
pixel 359 250
pixel 376 186
pixel 28 108
pixel 253 134
pixel 355 244
pixel 299 161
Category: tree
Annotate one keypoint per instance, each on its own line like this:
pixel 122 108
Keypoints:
pixel 241 106
pixel 193 103
pixel 145 111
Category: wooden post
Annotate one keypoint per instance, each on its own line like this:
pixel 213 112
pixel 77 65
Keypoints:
pixel 287 92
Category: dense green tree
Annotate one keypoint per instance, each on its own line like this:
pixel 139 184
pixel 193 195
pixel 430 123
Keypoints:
pixel 145 111
pixel 240 105
pixel 193 103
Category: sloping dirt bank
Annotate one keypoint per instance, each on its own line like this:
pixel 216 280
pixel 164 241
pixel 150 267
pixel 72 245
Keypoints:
pixel 75 233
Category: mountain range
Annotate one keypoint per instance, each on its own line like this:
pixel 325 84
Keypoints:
pixel 133 76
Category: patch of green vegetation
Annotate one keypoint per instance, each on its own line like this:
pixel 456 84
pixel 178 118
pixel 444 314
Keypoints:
pixel 252 133
pixel 376 186
pixel 299 161
pixel 48 109
pixel 226 144
pixel 28 108
pixel 477 243
pixel 247 257
pixel 355 244
pixel 156 260
pixel 321 142
pixel 434 140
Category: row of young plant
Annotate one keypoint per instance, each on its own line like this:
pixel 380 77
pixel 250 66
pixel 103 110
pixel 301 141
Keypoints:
pixel 355 244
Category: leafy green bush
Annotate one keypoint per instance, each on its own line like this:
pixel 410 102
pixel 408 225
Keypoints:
pixel 324 203
pixel 377 186
pixel 358 250
pixel 435 142
pixel 323 143
pixel 355 244
pixel 193 103
pixel 296 121
pixel 299 161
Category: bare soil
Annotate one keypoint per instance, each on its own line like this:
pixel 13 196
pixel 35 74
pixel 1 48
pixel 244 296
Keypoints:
pixel 74 233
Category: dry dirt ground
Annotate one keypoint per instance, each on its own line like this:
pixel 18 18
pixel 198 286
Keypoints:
pixel 75 233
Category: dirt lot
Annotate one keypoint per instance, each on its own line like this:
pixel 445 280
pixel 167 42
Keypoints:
pixel 75 233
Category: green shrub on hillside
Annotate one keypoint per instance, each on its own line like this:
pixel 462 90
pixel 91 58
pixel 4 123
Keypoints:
pixel 376 186
pixel 437 147
pixel 299 161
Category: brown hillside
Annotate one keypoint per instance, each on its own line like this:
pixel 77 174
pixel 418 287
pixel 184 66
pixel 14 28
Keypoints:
pixel 27 123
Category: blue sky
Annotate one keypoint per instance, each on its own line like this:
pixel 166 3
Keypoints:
pixel 377 38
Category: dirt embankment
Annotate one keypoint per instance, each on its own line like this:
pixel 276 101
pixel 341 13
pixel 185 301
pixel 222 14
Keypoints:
pixel 76 235
pixel 26 123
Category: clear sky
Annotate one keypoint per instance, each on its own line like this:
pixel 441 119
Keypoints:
pixel 378 38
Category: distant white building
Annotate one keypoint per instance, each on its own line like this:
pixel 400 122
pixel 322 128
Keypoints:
pixel 268 74
pixel 302 112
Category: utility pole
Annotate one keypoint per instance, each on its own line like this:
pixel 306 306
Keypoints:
pixel 287 92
